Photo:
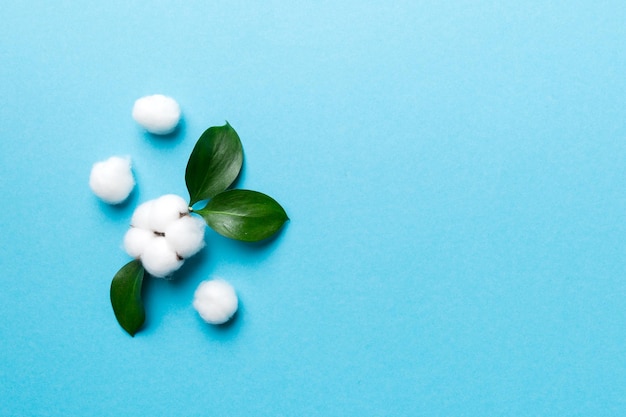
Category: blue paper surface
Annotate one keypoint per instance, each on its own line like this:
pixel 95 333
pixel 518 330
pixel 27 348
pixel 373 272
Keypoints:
pixel 454 173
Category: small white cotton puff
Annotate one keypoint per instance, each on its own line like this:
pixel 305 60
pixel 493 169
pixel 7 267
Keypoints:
pixel 186 235
pixel 216 301
pixel 158 114
pixel 165 210
pixel 112 180
pixel 159 259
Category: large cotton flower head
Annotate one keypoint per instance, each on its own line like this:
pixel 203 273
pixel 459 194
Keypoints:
pixel 158 114
pixel 163 234
pixel 216 301
pixel 112 180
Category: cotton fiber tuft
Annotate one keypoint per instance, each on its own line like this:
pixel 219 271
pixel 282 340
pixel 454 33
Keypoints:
pixel 112 180
pixel 159 259
pixel 216 301
pixel 158 114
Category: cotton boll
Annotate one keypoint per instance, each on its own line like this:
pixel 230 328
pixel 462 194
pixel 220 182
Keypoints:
pixel 141 216
pixel 159 259
pixel 216 301
pixel 186 235
pixel 112 180
pixel 166 210
pixel 157 114
pixel 137 240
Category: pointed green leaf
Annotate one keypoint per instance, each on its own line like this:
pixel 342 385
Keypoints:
pixel 244 215
pixel 214 163
pixel 126 296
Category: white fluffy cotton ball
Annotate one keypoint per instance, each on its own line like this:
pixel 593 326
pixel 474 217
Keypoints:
pixel 157 113
pixel 216 301
pixel 159 259
pixel 186 235
pixel 112 180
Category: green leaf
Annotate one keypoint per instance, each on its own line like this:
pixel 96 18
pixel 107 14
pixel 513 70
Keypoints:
pixel 244 215
pixel 126 296
pixel 214 163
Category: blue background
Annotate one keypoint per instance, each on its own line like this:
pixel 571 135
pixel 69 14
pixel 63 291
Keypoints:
pixel 454 173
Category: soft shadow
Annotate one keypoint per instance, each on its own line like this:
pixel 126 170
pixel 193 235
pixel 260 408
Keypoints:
pixel 172 138
pixel 115 210
pixel 241 176
pixel 148 291
pixel 169 290
pixel 185 275
pixel 227 331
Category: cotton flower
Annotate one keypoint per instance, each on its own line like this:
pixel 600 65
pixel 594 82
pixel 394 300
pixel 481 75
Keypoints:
pixel 216 301
pixel 163 234
pixel 112 180
pixel 157 114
